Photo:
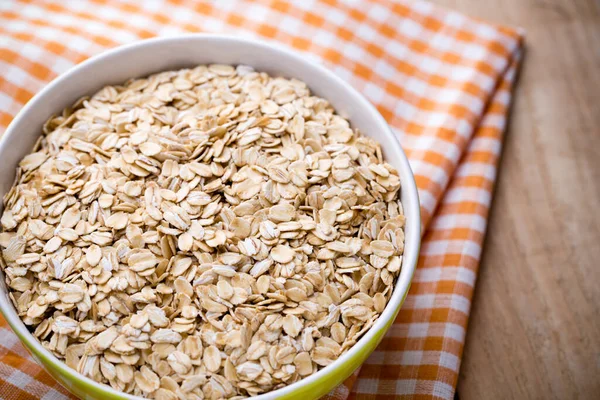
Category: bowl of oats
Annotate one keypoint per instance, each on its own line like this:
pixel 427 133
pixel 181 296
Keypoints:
pixel 203 217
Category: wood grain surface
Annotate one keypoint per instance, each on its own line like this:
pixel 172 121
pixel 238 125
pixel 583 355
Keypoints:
pixel 534 331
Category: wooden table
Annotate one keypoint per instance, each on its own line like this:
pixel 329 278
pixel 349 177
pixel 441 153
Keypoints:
pixel 534 331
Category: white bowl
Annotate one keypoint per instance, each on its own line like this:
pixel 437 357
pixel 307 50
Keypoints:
pixel 161 54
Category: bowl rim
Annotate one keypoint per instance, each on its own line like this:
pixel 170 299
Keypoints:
pixel 409 188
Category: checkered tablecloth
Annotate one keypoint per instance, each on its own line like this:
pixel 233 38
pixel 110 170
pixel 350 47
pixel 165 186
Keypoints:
pixel 442 80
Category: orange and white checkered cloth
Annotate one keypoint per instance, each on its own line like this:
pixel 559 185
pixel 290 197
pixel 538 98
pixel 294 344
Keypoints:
pixel 442 80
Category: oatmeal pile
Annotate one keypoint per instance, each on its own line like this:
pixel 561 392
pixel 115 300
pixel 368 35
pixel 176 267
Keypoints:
pixel 205 233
